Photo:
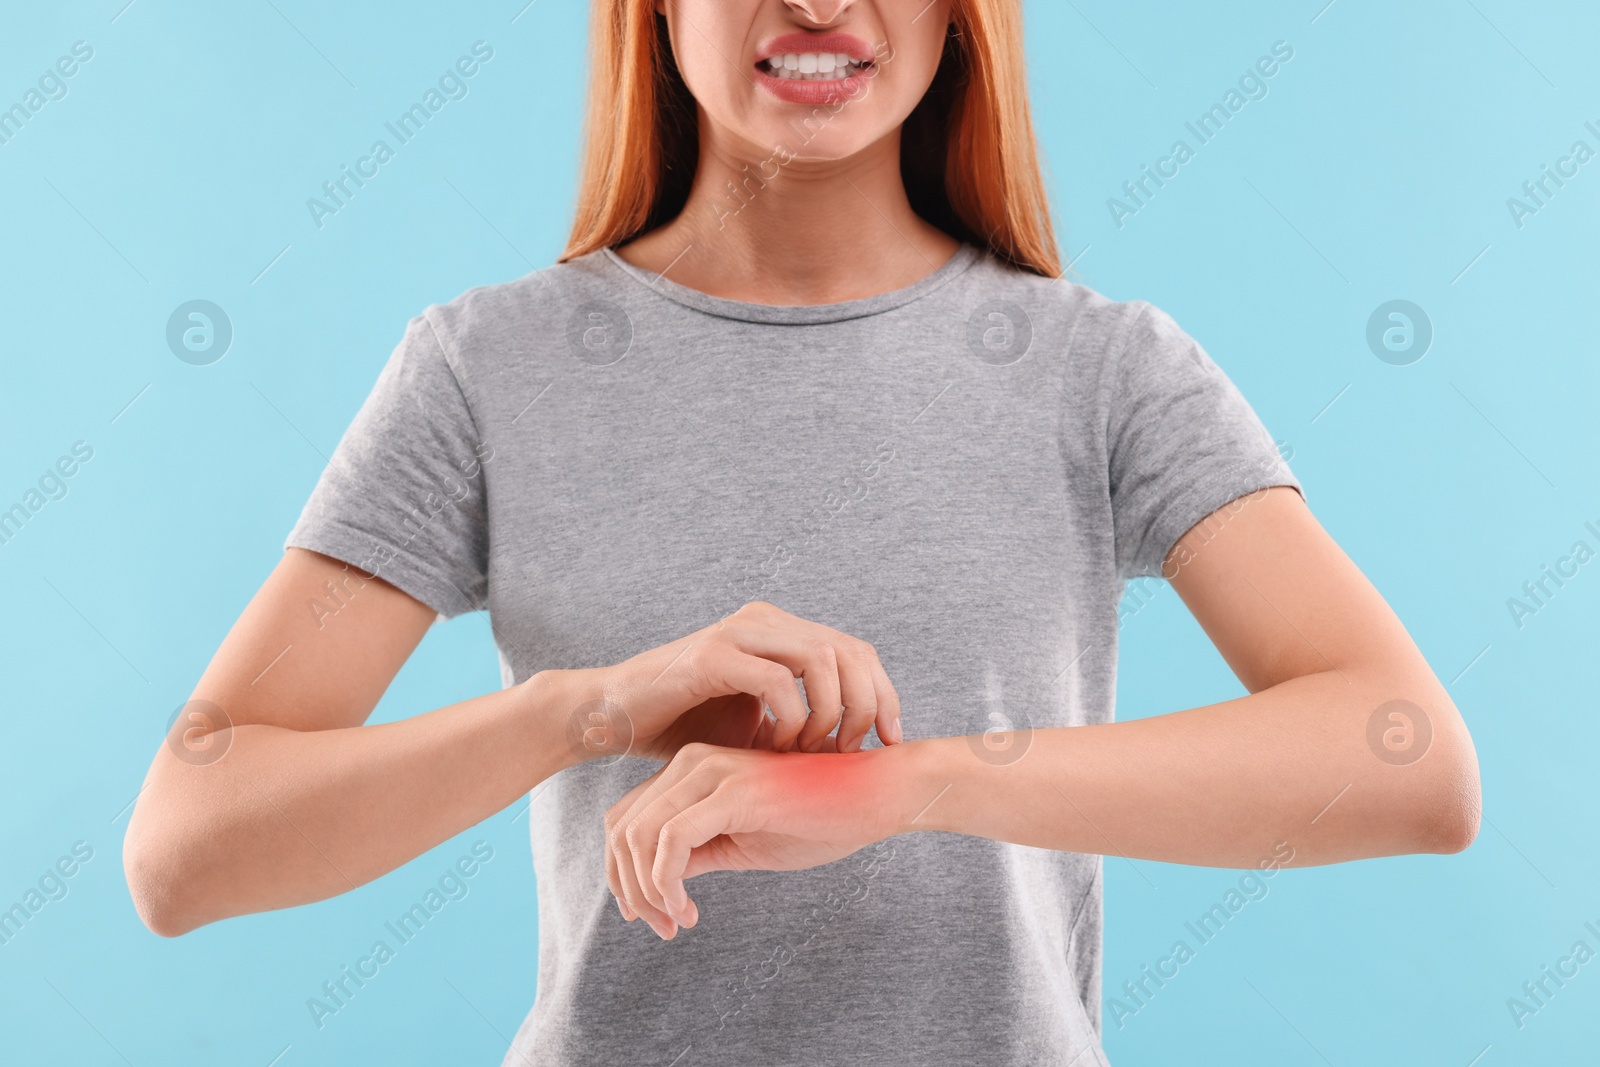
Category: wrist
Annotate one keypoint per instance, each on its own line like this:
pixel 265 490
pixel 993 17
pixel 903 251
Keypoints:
pixel 565 705
pixel 916 783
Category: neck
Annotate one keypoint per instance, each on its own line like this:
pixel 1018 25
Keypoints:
pixel 769 229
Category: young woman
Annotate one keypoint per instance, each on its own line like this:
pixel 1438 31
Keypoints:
pixel 809 346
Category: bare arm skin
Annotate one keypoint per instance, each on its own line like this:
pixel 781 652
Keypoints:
pixel 292 799
pixel 1221 785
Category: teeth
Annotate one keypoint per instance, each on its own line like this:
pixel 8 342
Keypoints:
pixel 813 66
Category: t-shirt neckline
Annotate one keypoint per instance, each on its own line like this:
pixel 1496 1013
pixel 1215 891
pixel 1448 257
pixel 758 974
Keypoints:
pixel 799 314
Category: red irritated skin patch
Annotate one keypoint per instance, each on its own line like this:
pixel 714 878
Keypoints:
pixel 716 809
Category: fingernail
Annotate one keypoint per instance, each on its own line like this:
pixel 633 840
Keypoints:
pixel 897 734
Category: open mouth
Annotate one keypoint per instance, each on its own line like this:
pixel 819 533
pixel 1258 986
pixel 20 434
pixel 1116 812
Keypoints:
pixel 813 66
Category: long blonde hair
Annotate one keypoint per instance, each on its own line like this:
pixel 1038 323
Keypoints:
pixel 968 155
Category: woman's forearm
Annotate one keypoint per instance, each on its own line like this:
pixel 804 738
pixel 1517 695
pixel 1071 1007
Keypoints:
pixel 1311 770
pixel 1221 786
pixel 287 816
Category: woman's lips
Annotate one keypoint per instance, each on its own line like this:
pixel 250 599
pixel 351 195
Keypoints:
pixel 813 62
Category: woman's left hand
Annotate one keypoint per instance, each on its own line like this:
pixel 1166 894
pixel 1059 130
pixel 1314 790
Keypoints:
pixel 726 809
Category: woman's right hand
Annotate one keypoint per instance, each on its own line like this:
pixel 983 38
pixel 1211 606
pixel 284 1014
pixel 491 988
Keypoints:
pixel 288 796
pixel 712 686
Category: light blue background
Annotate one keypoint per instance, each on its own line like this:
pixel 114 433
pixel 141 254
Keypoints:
pixel 1378 167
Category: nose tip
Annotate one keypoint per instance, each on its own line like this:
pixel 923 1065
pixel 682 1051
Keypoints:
pixel 820 12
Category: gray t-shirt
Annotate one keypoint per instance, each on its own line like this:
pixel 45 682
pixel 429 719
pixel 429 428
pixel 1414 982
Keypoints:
pixel 963 472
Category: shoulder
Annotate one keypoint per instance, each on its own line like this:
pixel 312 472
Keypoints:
pixel 512 322
pixel 1071 322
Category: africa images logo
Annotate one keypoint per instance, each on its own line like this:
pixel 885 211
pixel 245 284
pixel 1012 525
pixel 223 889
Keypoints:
pixel 199 332
pixel 600 333
pixel 999 332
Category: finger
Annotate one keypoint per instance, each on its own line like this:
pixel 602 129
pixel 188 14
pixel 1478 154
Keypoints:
pixel 620 863
pixel 868 696
pixel 808 651
pixel 613 816
pixel 737 671
pixel 613 884
pixel 680 838
pixel 858 685
pixel 823 694
pixel 644 832
pixel 890 732
pixel 632 892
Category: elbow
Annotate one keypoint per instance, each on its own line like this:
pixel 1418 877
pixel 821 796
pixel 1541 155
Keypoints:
pixel 1428 796
pixel 155 880
pixel 1450 807
pixel 160 920
pixel 1452 820
pixel 158 907
pixel 159 913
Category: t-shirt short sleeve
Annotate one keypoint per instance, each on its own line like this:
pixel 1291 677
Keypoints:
pixel 1182 441
pixel 403 496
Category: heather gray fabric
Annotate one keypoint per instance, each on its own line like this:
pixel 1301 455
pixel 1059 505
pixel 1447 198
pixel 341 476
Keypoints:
pixel 963 472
